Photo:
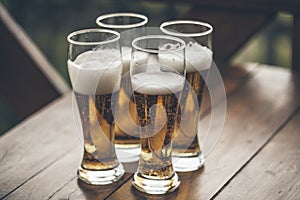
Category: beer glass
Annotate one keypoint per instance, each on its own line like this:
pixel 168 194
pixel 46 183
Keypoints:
pixel 197 35
pixel 95 67
pixel 130 26
pixel 157 76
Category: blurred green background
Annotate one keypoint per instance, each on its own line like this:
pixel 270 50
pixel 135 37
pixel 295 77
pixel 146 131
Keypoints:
pixel 48 22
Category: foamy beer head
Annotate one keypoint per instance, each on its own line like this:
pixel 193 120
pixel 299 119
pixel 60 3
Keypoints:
pixel 197 36
pixel 96 72
pixel 198 57
pixel 158 53
pixel 95 67
pixel 171 60
pixel 94 61
pixel 157 83
pixel 197 30
pixel 129 25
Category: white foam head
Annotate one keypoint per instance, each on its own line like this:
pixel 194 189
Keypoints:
pixel 157 83
pixel 96 72
pixel 198 57
pixel 171 60
pixel 139 61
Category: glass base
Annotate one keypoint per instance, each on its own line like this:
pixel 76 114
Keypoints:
pixel 188 163
pixel 128 154
pixel 155 186
pixel 101 177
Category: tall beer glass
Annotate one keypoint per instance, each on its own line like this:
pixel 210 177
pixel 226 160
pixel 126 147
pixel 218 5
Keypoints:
pixel 95 67
pixel 130 26
pixel 197 35
pixel 157 77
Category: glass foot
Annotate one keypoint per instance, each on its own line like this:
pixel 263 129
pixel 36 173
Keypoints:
pixel 188 164
pixel 101 177
pixel 155 186
pixel 126 154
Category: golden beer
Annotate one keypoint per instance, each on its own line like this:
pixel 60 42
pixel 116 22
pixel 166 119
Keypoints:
pixel 128 138
pixel 157 109
pixel 197 35
pixel 156 149
pixel 97 123
pixel 130 26
pixel 187 153
pixel 95 71
pixel 157 76
pixel 122 138
pixel 186 141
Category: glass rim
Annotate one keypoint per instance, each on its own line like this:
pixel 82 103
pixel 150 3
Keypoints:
pixel 178 34
pixel 93 30
pixel 158 37
pixel 122 14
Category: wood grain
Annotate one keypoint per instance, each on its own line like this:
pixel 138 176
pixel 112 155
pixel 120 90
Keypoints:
pixel 232 77
pixel 275 172
pixel 76 189
pixel 49 180
pixel 48 183
pixel 35 144
pixel 255 111
pixel 42 169
pixel 254 93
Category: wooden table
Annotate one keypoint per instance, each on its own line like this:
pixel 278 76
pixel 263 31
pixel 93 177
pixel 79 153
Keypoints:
pixel 257 156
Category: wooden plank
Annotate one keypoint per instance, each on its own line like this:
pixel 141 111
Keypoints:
pixel 35 144
pixel 254 113
pixel 73 190
pixel 59 174
pixel 233 77
pixel 52 179
pixel 42 168
pixel 76 189
pixel 276 169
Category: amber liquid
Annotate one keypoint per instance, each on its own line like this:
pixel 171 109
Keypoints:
pixel 122 138
pixel 98 125
pixel 156 158
pixel 186 139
